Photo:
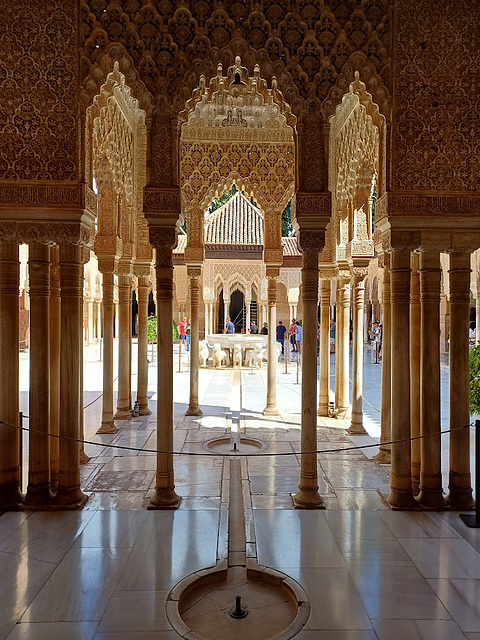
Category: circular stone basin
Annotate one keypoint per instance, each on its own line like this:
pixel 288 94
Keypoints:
pixel 244 445
pixel 277 606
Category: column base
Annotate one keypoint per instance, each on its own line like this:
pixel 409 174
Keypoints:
pixel 107 427
pixel 322 410
pixel 69 498
pixel 431 499
pixel 384 456
pixel 83 456
pixel 308 499
pixel 271 411
pixel 402 500
pixel 164 499
pixel 123 414
pixel 460 498
pixel 10 496
pixel 357 430
pixel 194 410
pixel 38 496
pixel 344 413
pixel 144 410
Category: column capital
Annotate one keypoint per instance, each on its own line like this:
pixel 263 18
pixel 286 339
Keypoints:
pixel 141 269
pixel 272 272
pixel 194 272
pixel 107 264
pixel 163 239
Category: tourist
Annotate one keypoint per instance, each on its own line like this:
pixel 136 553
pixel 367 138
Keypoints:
pixel 298 337
pixel 229 327
pixel 376 338
pixel 187 332
pixel 292 333
pixel 182 331
pixel 264 329
pixel 281 330
pixel 253 327
pixel 333 329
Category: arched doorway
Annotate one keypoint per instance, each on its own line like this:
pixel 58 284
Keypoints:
pixel 237 310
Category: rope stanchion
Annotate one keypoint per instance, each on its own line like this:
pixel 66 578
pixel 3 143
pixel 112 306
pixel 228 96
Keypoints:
pixel 473 520
pixel 229 455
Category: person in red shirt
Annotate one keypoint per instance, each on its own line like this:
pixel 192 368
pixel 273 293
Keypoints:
pixel 182 331
pixel 293 335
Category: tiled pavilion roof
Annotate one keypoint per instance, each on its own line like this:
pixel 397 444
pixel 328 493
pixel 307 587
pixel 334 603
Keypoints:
pixel 237 222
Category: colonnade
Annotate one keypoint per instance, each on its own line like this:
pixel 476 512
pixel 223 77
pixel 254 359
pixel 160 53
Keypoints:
pixel 412 350
pixel 56 290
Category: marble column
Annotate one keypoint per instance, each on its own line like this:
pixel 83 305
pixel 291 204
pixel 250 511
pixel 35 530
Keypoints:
pixel 9 395
pixel 415 323
pixel 343 350
pixel 400 496
pixel 54 366
pixel 324 384
pixel 226 308
pixel 247 320
pixel 431 492
pixel 207 305
pixel 142 381
pixel 194 274
pixel 99 320
pixel 477 316
pixel 271 406
pixel 308 496
pixel 384 456
pixel 164 496
pixel 459 481
pixel 338 341
pixel 108 425
pixel 91 320
pixel 123 411
pixel 356 426
pixel 83 456
pixel 38 490
pixel 69 494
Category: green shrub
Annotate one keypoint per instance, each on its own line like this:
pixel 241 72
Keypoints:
pixel 175 330
pixel 152 329
pixel 475 380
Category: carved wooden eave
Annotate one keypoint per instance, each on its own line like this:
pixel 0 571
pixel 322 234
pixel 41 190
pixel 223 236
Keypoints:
pixel 419 220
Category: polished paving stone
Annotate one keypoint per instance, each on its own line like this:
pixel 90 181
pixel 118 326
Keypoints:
pixel 104 573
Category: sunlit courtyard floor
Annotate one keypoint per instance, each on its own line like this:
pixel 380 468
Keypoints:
pixel 104 573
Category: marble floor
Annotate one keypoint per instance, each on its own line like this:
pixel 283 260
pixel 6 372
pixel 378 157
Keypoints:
pixel 104 573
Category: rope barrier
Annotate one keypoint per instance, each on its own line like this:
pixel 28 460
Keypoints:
pixel 234 453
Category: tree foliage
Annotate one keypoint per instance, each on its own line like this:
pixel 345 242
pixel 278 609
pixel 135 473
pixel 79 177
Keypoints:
pixel 475 380
pixel 152 329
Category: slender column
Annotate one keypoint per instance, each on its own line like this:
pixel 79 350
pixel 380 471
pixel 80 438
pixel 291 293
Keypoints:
pixel 324 385
pixel 343 341
pixel 194 275
pixel 124 328
pixel 71 292
pixel 99 320
pixel 338 340
pixel 384 456
pixel 271 407
pixel 142 389
pixel 129 350
pixel 431 493
pixel 91 319
pixel 54 366
pixel 401 496
pixel 477 316
pixel 9 395
pixel 108 425
pixel 207 305
pixel 459 484
pixel 164 496
pixel 117 319
pixel 307 496
pixel 38 491
pixel 226 306
pixel 357 364
pixel 247 319
pixel 415 323
pixel 83 456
